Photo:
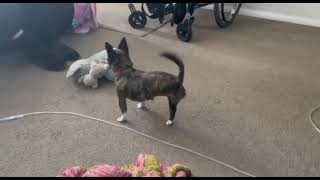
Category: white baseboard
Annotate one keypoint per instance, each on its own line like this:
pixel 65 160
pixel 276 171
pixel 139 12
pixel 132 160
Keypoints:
pixel 279 17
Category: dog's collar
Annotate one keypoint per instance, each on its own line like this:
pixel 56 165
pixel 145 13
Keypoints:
pixel 119 74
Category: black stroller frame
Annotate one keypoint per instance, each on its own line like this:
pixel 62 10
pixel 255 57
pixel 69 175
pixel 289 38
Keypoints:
pixel 138 19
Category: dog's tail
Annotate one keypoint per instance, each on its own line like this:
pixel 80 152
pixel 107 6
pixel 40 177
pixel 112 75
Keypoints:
pixel 173 57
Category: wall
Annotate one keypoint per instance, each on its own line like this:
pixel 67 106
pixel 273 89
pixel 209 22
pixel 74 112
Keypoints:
pixel 299 13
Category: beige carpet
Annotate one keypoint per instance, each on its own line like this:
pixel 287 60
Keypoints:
pixel 114 16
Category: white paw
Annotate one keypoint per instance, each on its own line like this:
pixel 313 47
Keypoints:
pixel 169 123
pixel 122 118
pixel 80 80
pixel 141 105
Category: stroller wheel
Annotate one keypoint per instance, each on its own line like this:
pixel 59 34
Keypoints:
pixel 137 20
pixel 184 32
pixel 225 13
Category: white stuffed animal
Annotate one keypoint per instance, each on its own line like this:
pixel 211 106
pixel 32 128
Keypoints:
pixel 87 71
pixel 96 71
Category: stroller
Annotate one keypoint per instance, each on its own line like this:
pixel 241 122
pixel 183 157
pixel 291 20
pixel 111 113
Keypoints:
pixel 224 14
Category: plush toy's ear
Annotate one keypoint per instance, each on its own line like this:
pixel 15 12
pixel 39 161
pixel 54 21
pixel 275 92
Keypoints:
pixel 123 45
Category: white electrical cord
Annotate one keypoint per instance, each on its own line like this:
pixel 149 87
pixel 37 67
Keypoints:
pixel 310 118
pixel 10 118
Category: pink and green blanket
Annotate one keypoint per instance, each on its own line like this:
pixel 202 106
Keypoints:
pixel 145 166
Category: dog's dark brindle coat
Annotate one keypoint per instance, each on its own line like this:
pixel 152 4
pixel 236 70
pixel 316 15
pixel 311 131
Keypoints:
pixel 140 86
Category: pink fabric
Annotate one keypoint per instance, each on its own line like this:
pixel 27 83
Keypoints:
pixel 105 170
pixel 140 161
pixel 102 170
pixel 84 18
pixel 75 171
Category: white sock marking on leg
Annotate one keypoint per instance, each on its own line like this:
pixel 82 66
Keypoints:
pixel 169 122
pixel 122 118
pixel 141 105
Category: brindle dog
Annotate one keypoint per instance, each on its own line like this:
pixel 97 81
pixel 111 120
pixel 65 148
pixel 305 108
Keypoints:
pixel 140 86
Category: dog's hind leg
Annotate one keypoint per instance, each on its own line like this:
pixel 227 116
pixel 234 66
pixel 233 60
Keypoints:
pixel 173 108
pixel 123 108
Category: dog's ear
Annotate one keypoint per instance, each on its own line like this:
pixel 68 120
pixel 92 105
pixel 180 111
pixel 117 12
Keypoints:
pixel 112 55
pixel 123 45
pixel 108 46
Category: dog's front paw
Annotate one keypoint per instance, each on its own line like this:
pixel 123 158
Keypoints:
pixel 169 123
pixel 122 118
pixel 141 105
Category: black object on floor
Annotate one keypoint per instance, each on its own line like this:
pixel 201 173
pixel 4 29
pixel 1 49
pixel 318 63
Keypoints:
pixel 42 24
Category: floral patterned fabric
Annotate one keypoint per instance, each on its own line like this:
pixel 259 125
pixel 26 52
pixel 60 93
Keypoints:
pixel 145 166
